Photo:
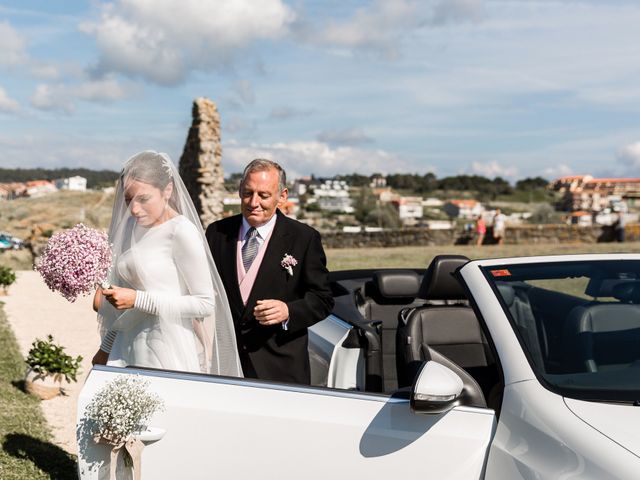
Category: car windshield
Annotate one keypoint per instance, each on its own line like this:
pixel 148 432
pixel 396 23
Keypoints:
pixel 578 322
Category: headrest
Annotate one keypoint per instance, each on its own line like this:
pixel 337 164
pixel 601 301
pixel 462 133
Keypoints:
pixel 393 285
pixel 627 292
pixel 507 292
pixel 439 283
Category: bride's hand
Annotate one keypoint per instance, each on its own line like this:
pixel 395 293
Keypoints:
pixel 121 298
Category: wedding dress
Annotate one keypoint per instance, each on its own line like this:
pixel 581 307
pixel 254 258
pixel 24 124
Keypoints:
pixel 178 281
pixel 181 318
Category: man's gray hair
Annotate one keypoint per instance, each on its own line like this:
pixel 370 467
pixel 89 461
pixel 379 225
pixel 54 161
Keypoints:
pixel 262 164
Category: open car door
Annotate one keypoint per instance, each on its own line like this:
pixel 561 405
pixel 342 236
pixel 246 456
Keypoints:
pixel 220 427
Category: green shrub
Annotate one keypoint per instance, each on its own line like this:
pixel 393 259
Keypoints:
pixel 7 276
pixel 45 357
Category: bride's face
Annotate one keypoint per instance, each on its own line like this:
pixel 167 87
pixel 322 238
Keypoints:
pixel 147 204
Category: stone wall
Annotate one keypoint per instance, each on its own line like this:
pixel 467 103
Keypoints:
pixel 522 235
pixel 201 161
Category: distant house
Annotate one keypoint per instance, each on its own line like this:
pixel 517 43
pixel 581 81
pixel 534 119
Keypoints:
pixel 11 190
pixel 40 188
pixel 76 183
pixel 583 192
pixel 464 208
pixel 333 195
pixel 409 208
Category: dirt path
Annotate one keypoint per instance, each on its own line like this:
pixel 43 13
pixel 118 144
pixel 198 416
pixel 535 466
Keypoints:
pixel 33 312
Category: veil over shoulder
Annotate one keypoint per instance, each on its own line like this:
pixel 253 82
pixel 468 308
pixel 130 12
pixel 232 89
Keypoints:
pixel 181 320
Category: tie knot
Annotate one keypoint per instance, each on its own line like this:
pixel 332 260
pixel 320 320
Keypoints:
pixel 251 233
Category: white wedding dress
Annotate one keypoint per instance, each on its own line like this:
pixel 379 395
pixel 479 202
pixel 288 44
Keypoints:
pixel 167 266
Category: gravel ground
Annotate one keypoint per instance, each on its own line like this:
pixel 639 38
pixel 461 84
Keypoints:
pixel 34 312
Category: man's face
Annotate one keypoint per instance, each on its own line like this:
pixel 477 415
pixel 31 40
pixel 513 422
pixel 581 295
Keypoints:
pixel 259 196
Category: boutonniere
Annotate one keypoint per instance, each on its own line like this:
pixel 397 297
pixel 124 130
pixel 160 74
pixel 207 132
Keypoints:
pixel 288 262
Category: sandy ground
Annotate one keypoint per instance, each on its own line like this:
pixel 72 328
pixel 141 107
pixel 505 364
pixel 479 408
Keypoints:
pixel 34 311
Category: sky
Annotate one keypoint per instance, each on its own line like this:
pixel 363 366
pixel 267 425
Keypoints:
pixel 513 88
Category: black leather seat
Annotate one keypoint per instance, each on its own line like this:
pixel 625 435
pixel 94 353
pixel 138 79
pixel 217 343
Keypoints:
pixel 533 335
pixel 604 336
pixel 381 299
pixel 448 333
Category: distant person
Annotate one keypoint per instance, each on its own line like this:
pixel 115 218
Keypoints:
pixel 499 221
pixel 618 227
pixel 274 270
pixel 481 229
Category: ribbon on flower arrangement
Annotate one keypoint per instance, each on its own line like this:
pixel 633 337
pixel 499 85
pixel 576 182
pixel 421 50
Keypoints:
pixel 132 447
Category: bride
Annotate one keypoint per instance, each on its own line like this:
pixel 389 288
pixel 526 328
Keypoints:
pixel 165 306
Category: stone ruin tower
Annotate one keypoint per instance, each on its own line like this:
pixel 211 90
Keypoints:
pixel 201 161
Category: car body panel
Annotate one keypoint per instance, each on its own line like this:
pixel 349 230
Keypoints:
pixel 620 422
pixel 235 428
pixel 538 437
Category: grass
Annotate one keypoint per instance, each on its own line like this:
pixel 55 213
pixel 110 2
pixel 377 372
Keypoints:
pixel 400 257
pixel 27 452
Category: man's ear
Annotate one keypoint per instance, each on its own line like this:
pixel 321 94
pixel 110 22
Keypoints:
pixel 284 195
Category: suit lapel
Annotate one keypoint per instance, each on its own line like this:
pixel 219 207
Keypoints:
pixel 229 273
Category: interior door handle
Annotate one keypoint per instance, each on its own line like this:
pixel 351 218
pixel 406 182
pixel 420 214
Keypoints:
pixel 151 434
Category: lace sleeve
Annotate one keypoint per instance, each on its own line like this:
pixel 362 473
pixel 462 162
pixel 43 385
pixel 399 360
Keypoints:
pixel 191 261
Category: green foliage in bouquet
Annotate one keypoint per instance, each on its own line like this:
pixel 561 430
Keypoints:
pixel 45 357
pixel 7 276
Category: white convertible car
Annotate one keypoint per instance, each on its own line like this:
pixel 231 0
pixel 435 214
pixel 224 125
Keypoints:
pixel 513 368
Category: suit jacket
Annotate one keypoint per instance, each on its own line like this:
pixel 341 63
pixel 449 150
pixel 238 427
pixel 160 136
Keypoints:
pixel 270 352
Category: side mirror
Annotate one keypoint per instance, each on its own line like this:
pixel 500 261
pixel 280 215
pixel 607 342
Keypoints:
pixel 437 389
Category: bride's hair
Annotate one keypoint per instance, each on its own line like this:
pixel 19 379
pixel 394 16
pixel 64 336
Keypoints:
pixel 153 168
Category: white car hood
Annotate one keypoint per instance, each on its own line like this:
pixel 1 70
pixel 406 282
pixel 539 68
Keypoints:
pixel 621 423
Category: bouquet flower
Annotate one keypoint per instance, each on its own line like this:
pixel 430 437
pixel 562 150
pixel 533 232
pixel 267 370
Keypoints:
pixel 75 261
pixel 122 407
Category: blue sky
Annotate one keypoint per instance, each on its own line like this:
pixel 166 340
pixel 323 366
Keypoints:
pixel 512 88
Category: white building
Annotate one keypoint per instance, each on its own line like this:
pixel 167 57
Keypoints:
pixel 333 195
pixel 76 183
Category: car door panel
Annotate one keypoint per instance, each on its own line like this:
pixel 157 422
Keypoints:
pixel 236 428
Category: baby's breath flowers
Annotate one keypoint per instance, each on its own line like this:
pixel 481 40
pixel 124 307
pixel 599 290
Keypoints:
pixel 122 407
pixel 75 261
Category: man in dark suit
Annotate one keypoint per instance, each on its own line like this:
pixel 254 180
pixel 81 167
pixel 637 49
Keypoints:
pixel 275 275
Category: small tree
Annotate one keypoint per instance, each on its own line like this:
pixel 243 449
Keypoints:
pixel 7 277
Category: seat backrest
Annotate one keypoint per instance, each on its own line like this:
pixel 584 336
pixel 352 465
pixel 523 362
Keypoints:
pixel 602 337
pixel 383 297
pixel 449 334
pixel 517 301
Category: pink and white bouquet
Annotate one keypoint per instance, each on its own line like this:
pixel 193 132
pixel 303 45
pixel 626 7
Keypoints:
pixel 74 261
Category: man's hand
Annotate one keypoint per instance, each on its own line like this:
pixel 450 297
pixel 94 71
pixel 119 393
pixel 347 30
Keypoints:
pixel 121 298
pixel 100 358
pixel 271 312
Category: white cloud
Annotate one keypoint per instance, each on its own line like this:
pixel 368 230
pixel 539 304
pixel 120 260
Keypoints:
pixel 449 11
pixel 287 113
pixel 629 157
pixel 7 104
pixel 164 40
pixel 244 91
pixel 381 27
pixel 561 170
pixel 306 157
pixel 351 136
pixel 12 50
pixel 63 97
pixel 494 169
